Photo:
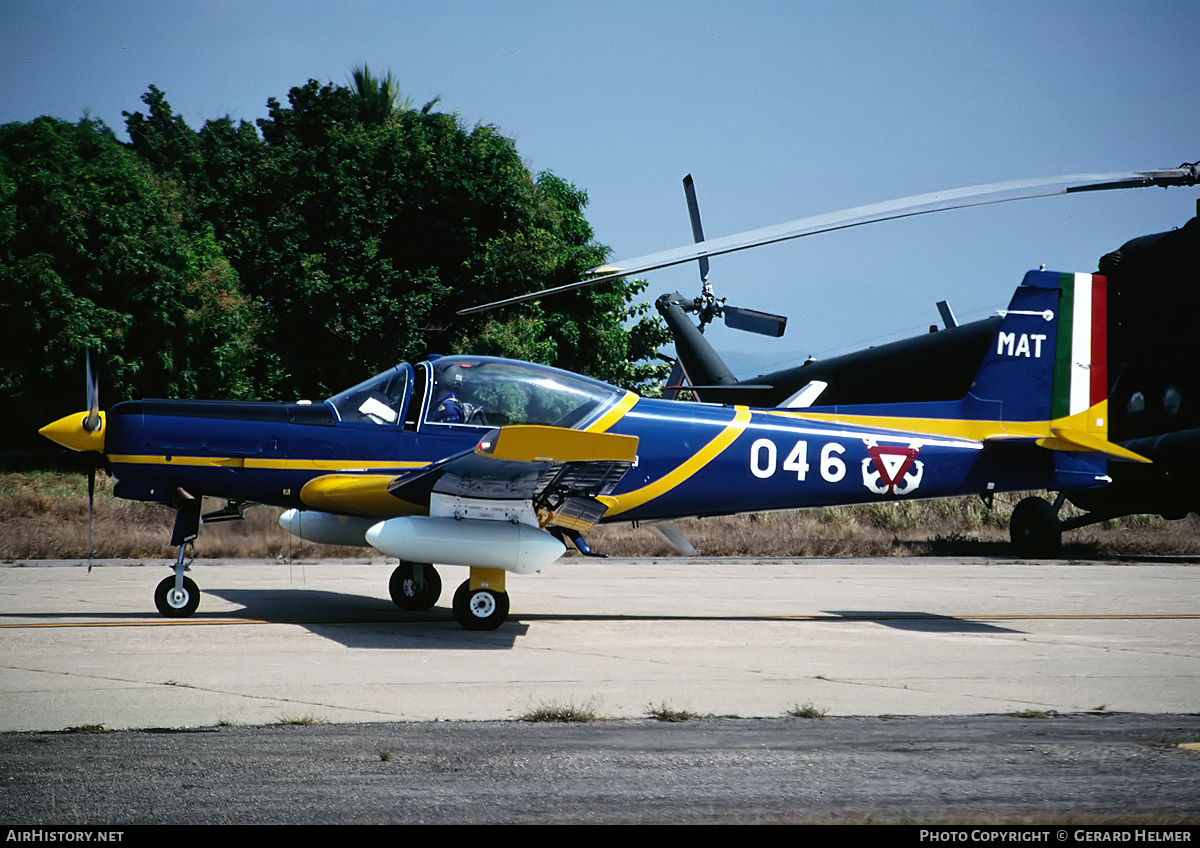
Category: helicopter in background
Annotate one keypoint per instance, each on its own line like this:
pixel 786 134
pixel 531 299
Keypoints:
pixel 1154 387
pixel 1153 292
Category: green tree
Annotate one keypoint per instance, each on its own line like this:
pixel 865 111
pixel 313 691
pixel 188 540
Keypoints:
pixel 361 226
pixel 378 97
pixel 93 253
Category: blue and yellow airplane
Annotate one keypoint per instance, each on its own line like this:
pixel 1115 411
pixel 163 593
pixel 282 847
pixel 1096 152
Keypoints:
pixel 493 464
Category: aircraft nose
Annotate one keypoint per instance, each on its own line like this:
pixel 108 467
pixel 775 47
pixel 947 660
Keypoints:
pixel 70 432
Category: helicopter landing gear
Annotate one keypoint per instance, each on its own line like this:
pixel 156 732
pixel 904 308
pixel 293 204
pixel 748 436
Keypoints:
pixel 415 586
pixel 481 603
pixel 1035 529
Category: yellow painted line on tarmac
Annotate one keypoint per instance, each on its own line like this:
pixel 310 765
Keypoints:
pixel 1038 617
pixel 192 622
pixel 1113 617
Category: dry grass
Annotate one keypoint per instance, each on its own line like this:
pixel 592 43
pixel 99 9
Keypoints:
pixel 557 711
pixel 948 527
pixel 43 515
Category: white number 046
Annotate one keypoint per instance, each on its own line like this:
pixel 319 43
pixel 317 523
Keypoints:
pixel 763 460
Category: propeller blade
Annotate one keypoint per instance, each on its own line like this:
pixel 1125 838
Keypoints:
pixel 92 422
pixel 689 190
pixel 751 320
pixel 91 510
pixel 921 204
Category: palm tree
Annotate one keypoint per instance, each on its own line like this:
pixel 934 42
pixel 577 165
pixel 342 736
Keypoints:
pixel 378 98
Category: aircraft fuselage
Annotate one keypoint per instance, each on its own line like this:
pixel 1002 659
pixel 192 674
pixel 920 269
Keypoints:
pixel 692 459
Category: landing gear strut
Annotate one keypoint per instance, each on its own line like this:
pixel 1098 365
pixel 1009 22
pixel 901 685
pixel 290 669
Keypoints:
pixel 178 596
pixel 1035 529
pixel 485 606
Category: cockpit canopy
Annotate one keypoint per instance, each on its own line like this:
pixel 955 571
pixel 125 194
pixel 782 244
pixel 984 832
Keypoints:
pixel 476 391
pixel 379 400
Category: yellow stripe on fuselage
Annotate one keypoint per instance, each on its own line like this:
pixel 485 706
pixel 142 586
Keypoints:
pixel 326 465
pixel 956 428
pixel 608 419
pixel 1052 435
pixel 684 472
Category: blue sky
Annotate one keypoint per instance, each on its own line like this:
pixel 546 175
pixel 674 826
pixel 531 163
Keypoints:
pixel 779 109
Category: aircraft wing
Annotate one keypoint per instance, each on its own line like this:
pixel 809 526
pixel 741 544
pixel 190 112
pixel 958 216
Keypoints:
pixel 524 472
pixel 921 204
pixel 528 473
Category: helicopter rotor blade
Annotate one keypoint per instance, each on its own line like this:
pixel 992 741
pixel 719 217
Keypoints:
pixel 753 321
pixel 689 190
pixel 921 204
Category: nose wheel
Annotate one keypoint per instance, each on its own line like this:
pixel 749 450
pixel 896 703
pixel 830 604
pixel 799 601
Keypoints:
pixel 480 609
pixel 176 602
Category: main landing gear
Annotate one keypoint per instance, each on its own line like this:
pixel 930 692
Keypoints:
pixel 482 607
pixel 480 603
pixel 415 586
pixel 1035 529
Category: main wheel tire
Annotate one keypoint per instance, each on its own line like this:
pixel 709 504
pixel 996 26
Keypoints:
pixel 480 609
pixel 1035 529
pixel 177 604
pixel 411 594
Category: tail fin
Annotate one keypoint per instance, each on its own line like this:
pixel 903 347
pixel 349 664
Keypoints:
pixel 1046 373
pixel 1043 379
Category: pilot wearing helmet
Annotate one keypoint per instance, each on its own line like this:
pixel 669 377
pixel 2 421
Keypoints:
pixel 447 408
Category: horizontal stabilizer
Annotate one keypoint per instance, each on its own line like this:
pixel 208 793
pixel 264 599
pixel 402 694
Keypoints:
pixel 1082 440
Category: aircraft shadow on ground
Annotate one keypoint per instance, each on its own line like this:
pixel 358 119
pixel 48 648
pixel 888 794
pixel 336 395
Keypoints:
pixel 359 621
pixel 356 621
pixel 924 622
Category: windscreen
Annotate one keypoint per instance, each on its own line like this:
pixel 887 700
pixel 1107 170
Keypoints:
pixel 379 400
pixel 487 392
